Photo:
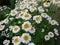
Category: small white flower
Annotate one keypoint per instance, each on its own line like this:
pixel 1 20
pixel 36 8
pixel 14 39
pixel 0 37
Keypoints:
pixel 54 22
pixel 2 27
pixel 56 1
pixel 24 11
pixel 31 44
pixel 43 30
pixel 51 34
pixel 40 9
pixel 32 30
pixel 32 8
pixel 22 6
pixel 16 40
pixel 6 42
pixel 15 29
pixel 45 15
pixel 37 18
pixel 56 32
pixel 26 16
pixel 25 1
pixel 13 12
pixel 26 38
pixel 20 15
pixel 49 18
pixel 46 4
pixel 47 37
pixel 26 26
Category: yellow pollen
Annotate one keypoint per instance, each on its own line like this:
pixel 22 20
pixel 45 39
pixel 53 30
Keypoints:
pixel 26 25
pixel 44 14
pixel 1 27
pixel 15 29
pixel 26 15
pixel 16 40
pixel 46 3
pixel 56 0
pixel 26 37
pixel 32 28
pixel 37 18
pixel 13 12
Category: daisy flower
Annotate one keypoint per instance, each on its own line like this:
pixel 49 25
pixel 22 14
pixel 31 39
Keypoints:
pixel 32 30
pixel 24 11
pixel 32 8
pixel 20 15
pixel 51 34
pixel 13 12
pixel 15 29
pixel 25 1
pixel 22 6
pixel 6 42
pixel 37 18
pixel 47 37
pixel 45 15
pixel 46 4
pixel 54 22
pixel 26 16
pixel 56 32
pixel 16 40
pixel 26 26
pixel 31 44
pixel 26 38
pixel 2 27
pixel 56 1
pixel 40 9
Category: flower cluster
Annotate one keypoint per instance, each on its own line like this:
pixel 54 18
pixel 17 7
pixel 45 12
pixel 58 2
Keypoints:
pixel 26 20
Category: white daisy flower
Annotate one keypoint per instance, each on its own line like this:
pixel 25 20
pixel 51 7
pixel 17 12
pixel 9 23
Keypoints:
pixel 32 8
pixel 16 40
pixel 51 34
pixel 32 30
pixel 2 27
pixel 43 30
pixel 6 42
pixel 26 38
pixel 25 1
pixel 45 15
pixel 46 4
pixel 24 11
pixel 54 22
pixel 31 44
pixel 20 15
pixel 49 18
pixel 47 37
pixel 26 26
pixel 55 1
pixel 41 9
pixel 56 32
pixel 37 18
pixel 34 1
pixel 13 12
pixel 22 6
pixel 26 16
pixel 15 29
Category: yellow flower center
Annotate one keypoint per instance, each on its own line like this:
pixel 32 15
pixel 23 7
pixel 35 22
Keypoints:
pixel 23 10
pixel 33 7
pixel 56 0
pixel 16 40
pixel 13 12
pixel 32 28
pixel 26 0
pixel 21 14
pixel 26 37
pixel 35 0
pixel 44 14
pixel 15 29
pixel 26 25
pixel 1 27
pixel 37 18
pixel 46 3
pixel 26 15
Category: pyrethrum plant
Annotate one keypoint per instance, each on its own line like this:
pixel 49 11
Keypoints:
pixel 30 24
